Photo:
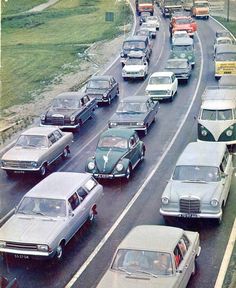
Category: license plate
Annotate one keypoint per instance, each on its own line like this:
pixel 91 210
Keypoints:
pixel 19 256
pixel 188 215
pixel 104 176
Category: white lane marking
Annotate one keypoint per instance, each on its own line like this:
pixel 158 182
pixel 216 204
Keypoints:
pixel 226 258
pixel 135 197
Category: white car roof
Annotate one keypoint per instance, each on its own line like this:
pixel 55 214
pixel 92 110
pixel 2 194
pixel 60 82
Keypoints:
pixel 157 74
pixel 40 130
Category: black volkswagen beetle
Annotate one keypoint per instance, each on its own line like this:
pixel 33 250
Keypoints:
pixel 69 110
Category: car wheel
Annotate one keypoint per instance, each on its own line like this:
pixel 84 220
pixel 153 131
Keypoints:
pixel 43 170
pixel 142 154
pixel 92 214
pixel 59 252
pixel 65 153
pixel 109 100
pixel 128 173
pixel 171 98
pixel 146 130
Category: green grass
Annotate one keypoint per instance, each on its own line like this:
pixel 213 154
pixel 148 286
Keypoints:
pixel 230 25
pixel 36 48
pixel 17 6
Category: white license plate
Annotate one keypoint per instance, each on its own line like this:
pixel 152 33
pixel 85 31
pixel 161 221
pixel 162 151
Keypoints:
pixel 188 215
pixel 18 256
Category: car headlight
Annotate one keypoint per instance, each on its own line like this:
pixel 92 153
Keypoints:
pixel 214 203
pixel 91 165
pixel 119 167
pixel 104 95
pixel 34 164
pixel 165 200
pixel 204 133
pixel 72 118
pixel 3 163
pixel 43 117
pixel 229 133
pixel 168 92
pixel 140 124
pixel 3 244
pixel 43 247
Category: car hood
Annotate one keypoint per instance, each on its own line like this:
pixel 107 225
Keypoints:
pixel 183 27
pixel 107 159
pixel 177 70
pixel 129 117
pixel 133 68
pixel 30 229
pixel 91 91
pixel 118 279
pixel 203 191
pixel 61 112
pixel 24 154
pixel 154 87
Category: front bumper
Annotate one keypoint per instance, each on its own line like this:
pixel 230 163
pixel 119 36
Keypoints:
pixel 127 126
pixel 108 176
pixel 27 254
pixel 191 215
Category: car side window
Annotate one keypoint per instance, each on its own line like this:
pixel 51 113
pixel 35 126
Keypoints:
pixel 82 193
pixel 57 134
pixel 52 138
pixel 178 256
pixel 182 247
pixel 131 142
pixel 74 201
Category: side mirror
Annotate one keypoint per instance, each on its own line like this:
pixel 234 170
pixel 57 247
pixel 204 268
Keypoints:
pixel 71 214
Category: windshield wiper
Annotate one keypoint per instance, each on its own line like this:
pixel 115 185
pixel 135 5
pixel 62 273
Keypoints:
pixel 124 270
pixel 147 272
pixel 38 213
pixel 194 181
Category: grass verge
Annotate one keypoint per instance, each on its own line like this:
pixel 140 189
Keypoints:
pixel 37 49
pixel 230 25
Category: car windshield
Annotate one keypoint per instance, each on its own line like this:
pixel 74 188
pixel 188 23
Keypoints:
pixel 65 103
pixel 98 84
pixel 179 35
pixel 134 45
pixel 29 141
pixel 177 64
pixel 128 107
pixel 183 21
pixel 182 48
pixel 224 41
pixel 196 173
pixel 42 206
pixel 113 142
pixel 134 61
pixel 152 18
pixel 217 115
pixel 230 56
pixel 160 80
pixel 148 25
pixel 152 263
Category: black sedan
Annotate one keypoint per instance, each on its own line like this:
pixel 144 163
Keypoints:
pixel 135 112
pixel 103 88
pixel 180 67
pixel 69 110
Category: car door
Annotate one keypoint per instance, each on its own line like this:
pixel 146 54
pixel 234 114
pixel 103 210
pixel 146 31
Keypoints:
pixel 113 87
pixel 54 149
pixel 174 83
pixel 134 152
pixel 151 110
pixel 85 109
pixel 226 175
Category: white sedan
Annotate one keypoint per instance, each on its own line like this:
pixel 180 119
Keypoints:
pixel 151 27
pixel 162 85
pixel 154 20
pixel 135 68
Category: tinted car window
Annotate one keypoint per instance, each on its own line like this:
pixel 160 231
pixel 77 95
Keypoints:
pixel 74 201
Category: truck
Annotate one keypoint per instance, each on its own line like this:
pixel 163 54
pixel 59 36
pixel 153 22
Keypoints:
pixel 168 7
pixel 201 9
pixel 144 6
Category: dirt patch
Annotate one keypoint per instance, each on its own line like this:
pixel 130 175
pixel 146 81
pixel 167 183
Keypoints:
pixel 96 59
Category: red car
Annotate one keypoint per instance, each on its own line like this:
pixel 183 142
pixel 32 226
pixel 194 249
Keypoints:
pixel 183 23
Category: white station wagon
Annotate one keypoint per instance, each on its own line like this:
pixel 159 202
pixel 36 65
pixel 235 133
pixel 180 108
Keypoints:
pixel 153 256
pixel 162 85
pixel 49 215
pixel 200 183
pixel 135 68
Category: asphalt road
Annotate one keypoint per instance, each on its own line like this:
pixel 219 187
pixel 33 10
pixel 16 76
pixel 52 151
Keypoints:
pixel 163 148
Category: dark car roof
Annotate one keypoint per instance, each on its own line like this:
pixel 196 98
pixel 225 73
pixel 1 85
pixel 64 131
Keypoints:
pixel 135 98
pixel 70 95
pixel 136 38
pixel 101 77
pixel 126 133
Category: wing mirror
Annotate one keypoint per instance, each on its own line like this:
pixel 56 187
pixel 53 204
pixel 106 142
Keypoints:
pixel 71 214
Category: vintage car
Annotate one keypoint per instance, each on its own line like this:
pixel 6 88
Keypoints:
pixel 183 48
pixel 200 183
pixel 103 88
pixel 162 85
pixel 69 110
pixel 223 33
pixel 135 67
pixel 49 215
pixel 180 67
pixel 183 23
pixel 143 17
pixel 151 27
pixel 153 256
pixel 201 8
pixel 136 43
pixel 154 20
pixel 117 154
pixel 144 32
pixel 36 149
pixel 222 40
pixel 135 112
pixel 179 34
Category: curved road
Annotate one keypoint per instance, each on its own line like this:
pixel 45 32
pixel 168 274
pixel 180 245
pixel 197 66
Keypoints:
pixel 89 253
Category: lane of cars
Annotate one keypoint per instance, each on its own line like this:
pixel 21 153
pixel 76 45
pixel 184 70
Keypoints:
pixel 104 158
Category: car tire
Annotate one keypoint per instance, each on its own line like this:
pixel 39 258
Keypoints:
pixel 92 214
pixel 59 252
pixel 128 173
pixel 109 100
pixel 65 153
pixel 171 98
pixel 145 132
pixel 43 170
pixel 142 154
